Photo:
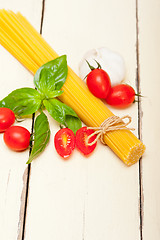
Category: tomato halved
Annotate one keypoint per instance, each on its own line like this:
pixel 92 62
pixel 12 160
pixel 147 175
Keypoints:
pixel 64 142
pixel 82 140
pixel 7 118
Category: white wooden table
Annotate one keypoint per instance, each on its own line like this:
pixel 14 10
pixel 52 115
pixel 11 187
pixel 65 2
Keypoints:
pixel 95 198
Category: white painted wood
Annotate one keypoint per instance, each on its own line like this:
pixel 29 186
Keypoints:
pixel 149 39
pixel 93 198
pixel 13 166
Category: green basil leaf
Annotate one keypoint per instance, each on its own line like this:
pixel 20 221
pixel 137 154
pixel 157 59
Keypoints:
pixel 41 136
pixel 46 81
pixel 73 123
pixel 53 94
pixel 55 109
pixel 62 113
pixel 51 75
pixel 23 101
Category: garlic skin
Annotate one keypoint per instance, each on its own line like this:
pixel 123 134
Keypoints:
pixel 110 61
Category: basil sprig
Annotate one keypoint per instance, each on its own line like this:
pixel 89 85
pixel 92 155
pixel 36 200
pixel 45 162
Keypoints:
pixel 48 81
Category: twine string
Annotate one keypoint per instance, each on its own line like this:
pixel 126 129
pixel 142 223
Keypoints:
pixel 112 123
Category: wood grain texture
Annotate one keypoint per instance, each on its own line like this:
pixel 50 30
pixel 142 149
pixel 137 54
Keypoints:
pixel 149 55
pixel 96 197
pixel 13 168
pixel 92 198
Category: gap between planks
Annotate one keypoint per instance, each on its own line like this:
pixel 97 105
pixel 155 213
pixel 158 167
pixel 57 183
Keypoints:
pixel 140 114
pixel 26 176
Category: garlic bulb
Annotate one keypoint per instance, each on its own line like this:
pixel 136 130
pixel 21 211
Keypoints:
pixel 110 61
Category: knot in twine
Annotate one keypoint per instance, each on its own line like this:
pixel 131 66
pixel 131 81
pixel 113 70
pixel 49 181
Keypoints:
pixel 110 124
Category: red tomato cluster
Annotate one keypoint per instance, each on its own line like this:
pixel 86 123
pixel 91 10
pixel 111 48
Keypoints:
pixel 16 138
pixel 99 84
pixel 65 141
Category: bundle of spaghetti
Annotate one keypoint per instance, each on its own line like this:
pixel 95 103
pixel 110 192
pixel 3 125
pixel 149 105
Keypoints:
pixel 20 38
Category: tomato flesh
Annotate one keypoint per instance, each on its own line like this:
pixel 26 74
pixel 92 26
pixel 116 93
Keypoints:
pixel 17 138
pixel 121 96
pixel 7 118
pixel 82 140
pixel 98 82
pixel 64 142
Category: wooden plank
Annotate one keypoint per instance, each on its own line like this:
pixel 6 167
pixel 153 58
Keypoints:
pixel 149 39
pixel 96 197
pixel 13 168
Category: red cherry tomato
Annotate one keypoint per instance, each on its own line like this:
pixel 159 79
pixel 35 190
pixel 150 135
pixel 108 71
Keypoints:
pixel 17 138
pixel 82 140
pixel 64 142
pixel 121 96
pixel 7 118
pixel 98 83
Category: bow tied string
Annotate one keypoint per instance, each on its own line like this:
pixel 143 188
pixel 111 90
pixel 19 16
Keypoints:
pixel 112 123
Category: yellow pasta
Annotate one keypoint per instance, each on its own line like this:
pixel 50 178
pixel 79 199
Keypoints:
pixel 19 37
